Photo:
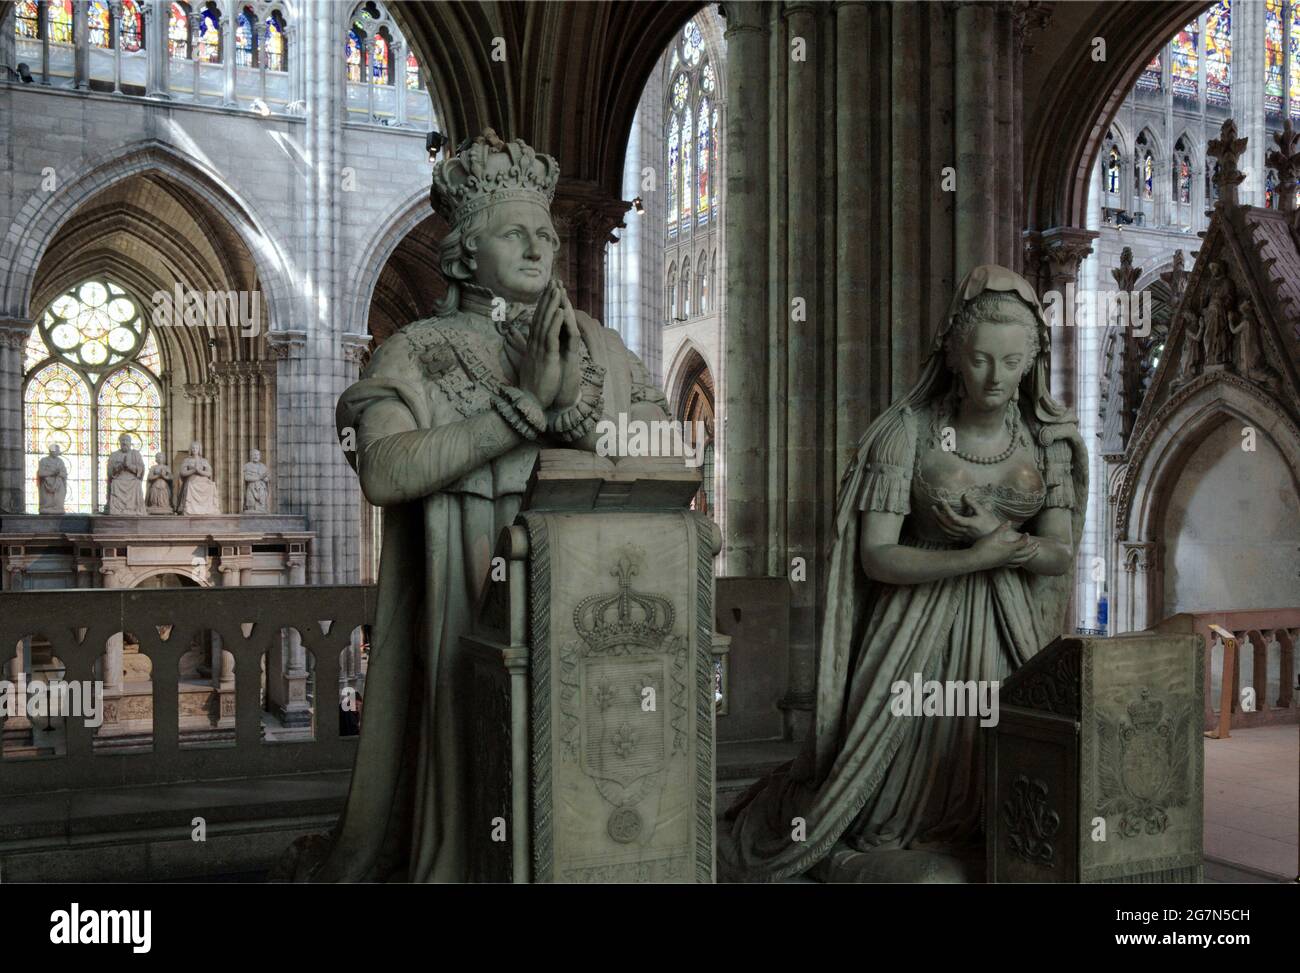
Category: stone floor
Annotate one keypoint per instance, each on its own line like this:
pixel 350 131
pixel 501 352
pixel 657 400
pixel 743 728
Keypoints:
pixel 1252 800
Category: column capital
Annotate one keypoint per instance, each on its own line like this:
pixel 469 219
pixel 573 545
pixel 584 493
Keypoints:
pixel 1140 557
pixel 286 344
pixel 587 211
pixel 743 16
pixel 1063 249
pixel 201 391
pixel 356 348
pixel 1028 16
pixel 14 332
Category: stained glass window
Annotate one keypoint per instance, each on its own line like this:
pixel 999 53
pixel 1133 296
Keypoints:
pixel 35 351
pixel 60 21
pixel 28 21
pixel 208 46
pixel 1148 167
pixel 707 80
pixel 128 403
pixel 714 161
pixel 1184 181
pixel 674 150
pixel 1149 79
pixel 274 47
pixel 355 45
pixel 130 32
pixel 693 42
pixel 56 412
pixel 680 89
pixel 1218 53
pixel 245 44
pixel 687 171
pixel 413 79
pixel 380 69
pixel 1112 171
pixel 1294 45
pixel 148 356
pixel 94 325
pixel 703 159
pixel 1270 197
pixel 91 368
pixel 1273 57
pixel 1183 61
pixel 178 33
pixel 99 25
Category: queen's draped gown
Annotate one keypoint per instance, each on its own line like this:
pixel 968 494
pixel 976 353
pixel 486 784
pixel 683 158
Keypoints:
pixel 866 778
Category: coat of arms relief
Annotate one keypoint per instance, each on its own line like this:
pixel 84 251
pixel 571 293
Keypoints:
pixel 623 688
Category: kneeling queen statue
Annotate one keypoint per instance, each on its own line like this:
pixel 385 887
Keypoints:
pixel 956 531
pixel 446 421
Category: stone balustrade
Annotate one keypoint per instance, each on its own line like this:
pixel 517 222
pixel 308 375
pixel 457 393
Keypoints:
pixel 1264 661
pixel 243 627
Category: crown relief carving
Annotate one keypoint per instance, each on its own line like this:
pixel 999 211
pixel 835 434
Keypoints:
pixel 626 621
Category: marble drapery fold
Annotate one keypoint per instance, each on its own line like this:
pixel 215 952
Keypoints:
pixel 865 778
pixel 426 435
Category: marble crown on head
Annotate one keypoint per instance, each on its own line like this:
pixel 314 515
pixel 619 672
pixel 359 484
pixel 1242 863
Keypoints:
pixel 486 170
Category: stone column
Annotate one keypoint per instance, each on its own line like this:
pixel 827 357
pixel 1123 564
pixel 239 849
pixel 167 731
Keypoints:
pixel 1248 97
pixel 1141 597
pixel 296 711
pixel 313 477
pixel 976 127
pixel 80 46
pixel 229 17
pixel 585 218
pixel 1062 250
pixel 18 727
pixel 1288 28
pixel 43 11
pixel 114 662
pixel 853 130
pixel 13 465
pixel 745 343
pixel 115 12
pixel 803 325
pixel 9 49
pixel 155 40
pixel 398 56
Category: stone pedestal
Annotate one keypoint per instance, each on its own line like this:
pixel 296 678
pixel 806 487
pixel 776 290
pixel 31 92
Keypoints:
pixel 594 682
pixel 1095 767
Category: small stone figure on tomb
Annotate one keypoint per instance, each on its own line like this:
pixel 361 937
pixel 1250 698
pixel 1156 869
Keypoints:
pixel 1217 305
pixel 126 479
pixel 1189 365
pixel 956 531
pixel 257 484
pixel 158 499
pixel 52 482
pixel 198 491
pixel 1246 357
